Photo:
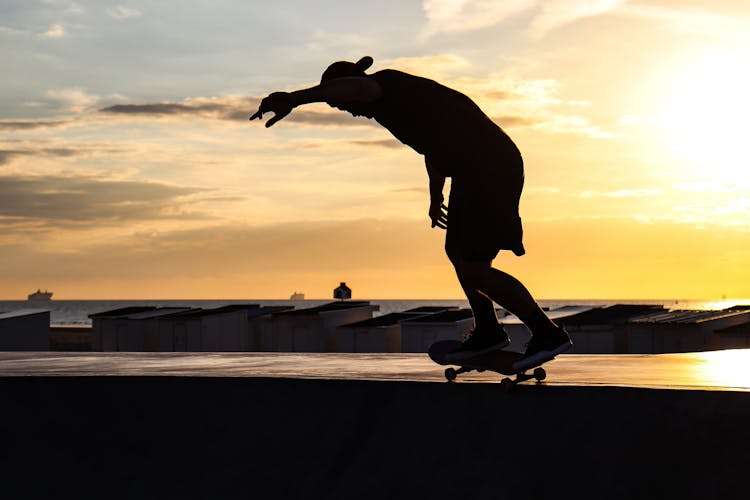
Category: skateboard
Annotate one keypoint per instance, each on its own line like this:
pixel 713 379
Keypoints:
pixel 496 361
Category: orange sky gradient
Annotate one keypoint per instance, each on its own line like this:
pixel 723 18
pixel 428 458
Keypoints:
pixel 139 177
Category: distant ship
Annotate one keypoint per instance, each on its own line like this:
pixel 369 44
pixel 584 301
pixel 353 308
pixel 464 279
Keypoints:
pixel 40 295
pixel 297 296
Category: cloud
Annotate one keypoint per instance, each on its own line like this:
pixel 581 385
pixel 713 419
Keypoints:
pixel 55 31
pixel 516 121
pixel 6 155
pixel 234 108
pixel 572 124
pixel 621 193
pixel 225 108
pixel 554 14
pixel 321 40
pixel 694 20
pixel 74 99
pixel 123 12
pixel 433 66
pixel 456 16
pixel 379 143
pixel 16 125
pixel 85 200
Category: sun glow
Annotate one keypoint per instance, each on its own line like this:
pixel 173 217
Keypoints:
pixel 706 115
pixel 724 368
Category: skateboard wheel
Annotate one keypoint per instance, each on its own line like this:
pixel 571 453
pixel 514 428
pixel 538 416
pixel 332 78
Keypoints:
pixel 506 384
pixel 540 374
pixel 450 374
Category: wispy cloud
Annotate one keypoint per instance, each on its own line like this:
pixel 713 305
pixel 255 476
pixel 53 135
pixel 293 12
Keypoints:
pixel 432 66
pixel 455 16
pixel 75 99
pixel 55 31
pixel 556 13
pixel 7 155
pixel 378 143
pixel 694 20
pixel 321 40
pixel 16 125
pixel 621 193
pixel 233 108
pixel 123 12
pixel 84 200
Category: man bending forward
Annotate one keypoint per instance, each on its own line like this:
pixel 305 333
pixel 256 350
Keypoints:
pixel 459 141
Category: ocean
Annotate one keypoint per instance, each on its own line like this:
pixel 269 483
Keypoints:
pixel 76 312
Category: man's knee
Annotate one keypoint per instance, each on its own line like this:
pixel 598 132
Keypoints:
pixel 454 255
pixel 475 270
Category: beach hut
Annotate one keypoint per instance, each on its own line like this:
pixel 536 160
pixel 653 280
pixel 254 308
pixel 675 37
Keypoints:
pixel 312 329
pixel 685 331
pixel 379 334
pixel 130 329
pixel 419 333
pixel 603 330
pixel 24 330
pixel 236 327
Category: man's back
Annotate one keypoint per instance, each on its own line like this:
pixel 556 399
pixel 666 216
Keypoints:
pixel 437 121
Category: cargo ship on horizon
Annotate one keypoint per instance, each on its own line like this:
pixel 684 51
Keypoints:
pixel 40 296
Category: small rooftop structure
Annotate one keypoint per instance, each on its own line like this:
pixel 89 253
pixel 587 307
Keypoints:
pixel 342 292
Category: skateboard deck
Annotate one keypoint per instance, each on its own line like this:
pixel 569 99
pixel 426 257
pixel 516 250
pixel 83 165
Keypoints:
pixel 497 361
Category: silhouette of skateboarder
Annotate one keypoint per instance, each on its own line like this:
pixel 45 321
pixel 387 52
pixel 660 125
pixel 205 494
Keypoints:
pixel 459 141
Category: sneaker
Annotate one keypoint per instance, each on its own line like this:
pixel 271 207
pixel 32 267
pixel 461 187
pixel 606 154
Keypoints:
pixel 544 347
pixel 480 342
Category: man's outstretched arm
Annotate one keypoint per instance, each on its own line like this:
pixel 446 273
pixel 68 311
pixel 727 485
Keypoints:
pixel 336 91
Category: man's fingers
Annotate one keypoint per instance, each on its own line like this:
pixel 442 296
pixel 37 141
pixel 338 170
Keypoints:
pixel 276 117
pixel 258 114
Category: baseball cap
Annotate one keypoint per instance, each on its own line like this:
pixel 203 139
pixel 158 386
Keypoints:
pixel 341 69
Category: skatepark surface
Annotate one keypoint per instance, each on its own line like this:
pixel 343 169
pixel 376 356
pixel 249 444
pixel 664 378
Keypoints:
pixel 715 370
pixel 271 425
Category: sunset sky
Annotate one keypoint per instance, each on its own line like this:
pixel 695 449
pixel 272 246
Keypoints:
pixel 129 170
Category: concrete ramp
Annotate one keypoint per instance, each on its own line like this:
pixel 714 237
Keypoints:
pixel 237 437
pixel 717 370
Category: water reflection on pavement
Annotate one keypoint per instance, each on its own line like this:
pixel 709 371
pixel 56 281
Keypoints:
pixel 719 370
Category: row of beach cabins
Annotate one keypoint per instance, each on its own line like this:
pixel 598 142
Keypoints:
pixel 353 326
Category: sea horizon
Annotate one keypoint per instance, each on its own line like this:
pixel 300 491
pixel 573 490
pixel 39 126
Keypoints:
pixel 69 312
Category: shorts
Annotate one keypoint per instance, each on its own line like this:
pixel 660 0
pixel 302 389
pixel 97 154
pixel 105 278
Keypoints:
pixel 483 210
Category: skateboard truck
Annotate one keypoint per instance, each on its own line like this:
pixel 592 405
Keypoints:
pixel 506 383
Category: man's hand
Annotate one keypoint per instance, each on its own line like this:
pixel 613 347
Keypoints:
pixel 439 215
pixel 278 103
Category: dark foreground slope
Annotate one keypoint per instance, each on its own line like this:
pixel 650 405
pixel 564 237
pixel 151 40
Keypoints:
pixel 109 437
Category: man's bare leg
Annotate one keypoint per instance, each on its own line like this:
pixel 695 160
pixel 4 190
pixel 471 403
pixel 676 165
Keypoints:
pixel 487 335
pixel 548 339
pixel 504 290
pixel 481 306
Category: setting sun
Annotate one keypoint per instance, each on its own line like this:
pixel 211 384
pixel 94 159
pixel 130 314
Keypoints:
pixel 706 116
